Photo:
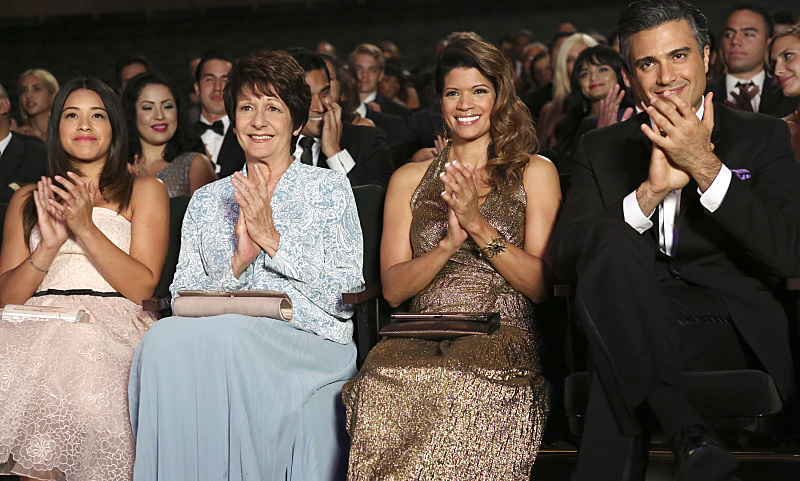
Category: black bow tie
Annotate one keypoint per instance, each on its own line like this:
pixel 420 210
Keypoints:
pixel 749 84
pixel 201 127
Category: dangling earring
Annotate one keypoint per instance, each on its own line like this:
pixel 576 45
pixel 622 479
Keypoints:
pixel 444 131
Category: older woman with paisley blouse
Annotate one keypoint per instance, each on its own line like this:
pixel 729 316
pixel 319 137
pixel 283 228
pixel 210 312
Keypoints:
pixel 236 397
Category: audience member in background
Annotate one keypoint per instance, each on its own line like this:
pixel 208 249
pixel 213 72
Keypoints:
pixel 214 127
pixel 344 91
pixel 530 52
pixel 785 58
pixel 368 62
pixel 360 153
pixel 551 113
pixel 396 87
pixel 541 70
pixel 129 67
pixel 597 71
pixel 236 397
pixel 538 98
pixel 161 140
pixel 326 47
pixel 193 109
pixel 746 86
pixel 22 158
pixel 88 237
pixel 467 231
pixel 783 19
pixel 37 88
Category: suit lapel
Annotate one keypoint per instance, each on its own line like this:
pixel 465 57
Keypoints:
pixel 12 158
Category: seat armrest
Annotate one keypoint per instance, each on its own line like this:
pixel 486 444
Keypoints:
pixel 155 304
pixel 362 293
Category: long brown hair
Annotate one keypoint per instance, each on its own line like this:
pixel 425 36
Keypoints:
pixel 116 183
pixel 511 128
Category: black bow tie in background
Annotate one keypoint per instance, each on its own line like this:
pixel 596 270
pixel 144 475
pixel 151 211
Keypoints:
pixel 201 127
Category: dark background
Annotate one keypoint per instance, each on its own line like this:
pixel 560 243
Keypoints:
pixel 87 37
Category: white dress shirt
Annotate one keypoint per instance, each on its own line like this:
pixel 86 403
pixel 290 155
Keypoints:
pixel 669 208
pixel 213 141
pixel 362 109
pixel 758 80
pixel 4 143
pixel 342 162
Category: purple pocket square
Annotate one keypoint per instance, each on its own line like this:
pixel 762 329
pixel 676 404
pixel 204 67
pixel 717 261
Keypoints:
pixel 742 174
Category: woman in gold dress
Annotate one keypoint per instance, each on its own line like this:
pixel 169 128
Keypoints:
pixel 467 231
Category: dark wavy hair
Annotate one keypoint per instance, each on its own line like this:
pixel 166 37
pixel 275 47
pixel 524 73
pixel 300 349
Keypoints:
pixel 511 128
pixel 116 183
pixel 576 106
pixel 270 72
pixel 184 139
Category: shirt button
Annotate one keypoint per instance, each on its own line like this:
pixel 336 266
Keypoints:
pixel 714 206
pixel 639 230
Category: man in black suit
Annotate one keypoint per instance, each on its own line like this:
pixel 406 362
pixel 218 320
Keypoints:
pixel 214 127
pixel 359 152
pixel 677 223
pixel 23 159
pixel 368 62
pixel 746 85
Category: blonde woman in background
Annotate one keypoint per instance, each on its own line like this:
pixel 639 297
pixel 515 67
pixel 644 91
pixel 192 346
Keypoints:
pixel 37 88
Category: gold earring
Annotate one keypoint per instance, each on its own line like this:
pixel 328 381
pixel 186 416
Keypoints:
pixel 444 131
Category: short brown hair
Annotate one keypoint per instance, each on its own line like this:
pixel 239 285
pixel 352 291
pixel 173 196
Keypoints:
pixel 368 49
pixel 269 72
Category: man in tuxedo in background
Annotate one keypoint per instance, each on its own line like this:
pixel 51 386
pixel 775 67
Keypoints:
pixel 361 153
pixel 746 85
pixel 368 63
pixel 677 223
pixel 214 127
pixel 23 159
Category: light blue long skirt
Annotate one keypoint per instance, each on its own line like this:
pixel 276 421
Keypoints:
pixel 238 398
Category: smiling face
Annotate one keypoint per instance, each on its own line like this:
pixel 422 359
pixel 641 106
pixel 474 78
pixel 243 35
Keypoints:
pixel 667 58
pixel 84 127
pixel 744 43
pixel 34 98
pixel 467 102
pixel 320 97
pixel 596 80
pixel 156 114
pixel 263 127
pixel 785 55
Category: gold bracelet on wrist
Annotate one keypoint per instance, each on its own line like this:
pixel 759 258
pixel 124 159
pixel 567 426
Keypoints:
pixel 494 247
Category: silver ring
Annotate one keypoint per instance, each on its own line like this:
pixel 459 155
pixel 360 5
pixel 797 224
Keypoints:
pixel 76 198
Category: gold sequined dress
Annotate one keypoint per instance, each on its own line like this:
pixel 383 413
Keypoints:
pixel 467 409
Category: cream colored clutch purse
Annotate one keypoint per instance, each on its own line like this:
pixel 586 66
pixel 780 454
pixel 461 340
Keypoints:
pixel 273 304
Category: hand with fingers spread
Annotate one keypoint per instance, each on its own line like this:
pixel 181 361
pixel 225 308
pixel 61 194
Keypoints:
pixel 743 99
pixel 52 226
pixel 77 202
pixel 461 194
pixel 685 139
pixel 609 108
pixel 137 168
pixel 331 128
pixel 253 194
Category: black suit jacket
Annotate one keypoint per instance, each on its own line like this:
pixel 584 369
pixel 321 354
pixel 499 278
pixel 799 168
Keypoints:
pixel 23 161
pixel 395 128
pixel 773 102
pixel 388 106
pixel 738 251
pixel 231 156
pixel 367 146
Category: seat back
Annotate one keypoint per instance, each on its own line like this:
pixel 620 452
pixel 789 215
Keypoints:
pixel 177 209
pixel 369 202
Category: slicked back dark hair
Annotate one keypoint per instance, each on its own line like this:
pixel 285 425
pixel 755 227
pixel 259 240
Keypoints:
pixel 769 23
pixel 270 72
pixel 309 60
pixel 210 55
pixel 648 14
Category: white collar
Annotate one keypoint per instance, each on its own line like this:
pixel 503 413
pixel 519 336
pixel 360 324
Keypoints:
pixel 758 80
pixel 4 143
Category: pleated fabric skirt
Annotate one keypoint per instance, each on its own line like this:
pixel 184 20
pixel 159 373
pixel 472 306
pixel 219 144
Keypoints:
pixel 238 398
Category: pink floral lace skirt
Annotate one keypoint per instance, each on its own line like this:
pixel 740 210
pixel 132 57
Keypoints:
pixel 63 391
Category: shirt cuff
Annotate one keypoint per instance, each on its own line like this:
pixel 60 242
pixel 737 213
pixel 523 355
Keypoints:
pixel 713 196
pixel 633 214
pixel 342 162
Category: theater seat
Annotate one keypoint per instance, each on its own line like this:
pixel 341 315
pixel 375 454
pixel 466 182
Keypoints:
pixel 160 302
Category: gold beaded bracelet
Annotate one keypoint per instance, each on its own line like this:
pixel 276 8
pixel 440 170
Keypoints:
pixel 495 247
